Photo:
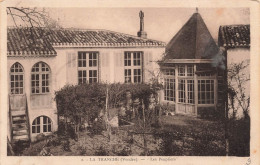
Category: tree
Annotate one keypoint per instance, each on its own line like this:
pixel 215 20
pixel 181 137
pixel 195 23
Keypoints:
pixel 31 17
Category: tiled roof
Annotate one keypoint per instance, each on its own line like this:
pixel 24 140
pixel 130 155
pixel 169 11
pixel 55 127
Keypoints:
pixel 193 41
pixel 232 36
pixel 42 41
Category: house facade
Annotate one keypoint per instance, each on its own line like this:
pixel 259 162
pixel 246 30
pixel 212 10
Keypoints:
pixel 41 61
pixel 190 72
pixel 235 41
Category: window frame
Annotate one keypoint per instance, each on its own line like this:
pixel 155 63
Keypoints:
pixel 19 74
pixel 211 92
pixel 41 125
pixel 40 73
pixel 135 64
pixel 88 68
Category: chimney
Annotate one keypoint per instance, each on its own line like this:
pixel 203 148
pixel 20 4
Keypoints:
pixel 141 33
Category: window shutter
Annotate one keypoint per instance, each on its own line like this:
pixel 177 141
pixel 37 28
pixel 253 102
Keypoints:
pixel 72 75
pixel 148 65
pixel 119 67
pixel 104 68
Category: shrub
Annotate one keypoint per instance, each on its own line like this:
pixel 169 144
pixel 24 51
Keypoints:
pixel 82 150
pixel 19 147
pixel 239 140
pixel 98 126
pixel 101 151
pixel 126 151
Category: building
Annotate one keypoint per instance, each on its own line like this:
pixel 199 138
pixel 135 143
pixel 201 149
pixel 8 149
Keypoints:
pixel 191 70
pixel 235 41
pixel 41 61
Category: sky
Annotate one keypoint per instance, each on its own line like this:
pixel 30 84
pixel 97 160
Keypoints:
pixel 159 23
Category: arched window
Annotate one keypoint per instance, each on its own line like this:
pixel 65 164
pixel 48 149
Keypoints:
pixel 40 78
pixel 41 124
pixel 17 79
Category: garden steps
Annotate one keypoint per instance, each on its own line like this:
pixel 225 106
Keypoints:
pixel 18 113
pixel 19 118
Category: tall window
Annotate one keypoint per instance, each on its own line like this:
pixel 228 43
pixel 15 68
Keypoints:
pixel 40 79
pixel 190 91
pixel 133 67
pixel 181 91
pixel 206 91
pixel 41 124
pixel 169 84
pixel 169 89
pixel 87 67
pixel 17 79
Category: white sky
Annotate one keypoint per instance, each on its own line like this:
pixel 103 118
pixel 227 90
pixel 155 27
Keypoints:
pixel 159 23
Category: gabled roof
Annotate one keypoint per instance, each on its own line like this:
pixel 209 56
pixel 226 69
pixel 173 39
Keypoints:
pixel 233 36
pixel 42 41
pixel 193 41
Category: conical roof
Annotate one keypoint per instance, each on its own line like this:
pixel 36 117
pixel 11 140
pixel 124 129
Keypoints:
pixel 193 41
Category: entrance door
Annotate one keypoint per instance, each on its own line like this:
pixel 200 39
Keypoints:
pixel 186 96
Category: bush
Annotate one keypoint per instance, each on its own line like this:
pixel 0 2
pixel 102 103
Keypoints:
pixel 98 126
pixel 20 146
pixel 101 151
pixel 82 150
pixel 125 152
pixel 239 140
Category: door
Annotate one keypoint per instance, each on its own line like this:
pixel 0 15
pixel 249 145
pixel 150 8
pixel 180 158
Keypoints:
pixel 186 102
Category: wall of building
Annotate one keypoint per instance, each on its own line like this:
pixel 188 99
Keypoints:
pixel 34 111
pixel 111 64
pixel 64 71
pixel 236 56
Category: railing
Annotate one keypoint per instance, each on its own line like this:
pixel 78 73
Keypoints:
pixel 10 120
pixel 27 119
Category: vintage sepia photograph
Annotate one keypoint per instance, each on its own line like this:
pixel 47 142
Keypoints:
pixel 133 81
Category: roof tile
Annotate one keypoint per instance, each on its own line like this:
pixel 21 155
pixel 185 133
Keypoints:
pixel 233 36
pixel 42 41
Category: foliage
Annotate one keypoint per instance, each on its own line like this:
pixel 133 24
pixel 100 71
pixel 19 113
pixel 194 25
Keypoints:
pixel 239 137
pixel 98 126
pixel 237 88
pixel 101 151
pixel 167 146
pixel 80 102
pixel 34 149
pixel 126 151
pixel 82 150
pixel 19 146
pixel 85 102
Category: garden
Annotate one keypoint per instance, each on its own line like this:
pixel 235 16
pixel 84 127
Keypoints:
pixel 126 120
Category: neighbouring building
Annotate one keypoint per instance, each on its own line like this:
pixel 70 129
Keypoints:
pixel 41 61
pixel 235 40
pixel 191 70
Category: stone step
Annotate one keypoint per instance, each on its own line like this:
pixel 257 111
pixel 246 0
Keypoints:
pixel 20 126
pixel 18 118
pixel 18 113
pixel 20 133
pixel 22 130
pixel 19 109
pixel 24 137
pixel 19 121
